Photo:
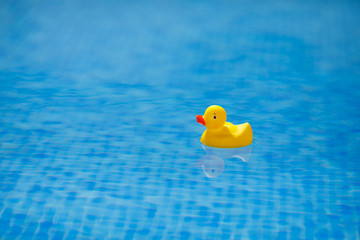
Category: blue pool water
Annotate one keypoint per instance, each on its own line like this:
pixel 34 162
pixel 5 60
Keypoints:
pixel 98 137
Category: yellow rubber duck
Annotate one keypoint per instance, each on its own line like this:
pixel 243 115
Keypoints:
pixel 222 134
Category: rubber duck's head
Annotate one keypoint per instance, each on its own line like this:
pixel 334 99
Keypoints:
pixel 214 117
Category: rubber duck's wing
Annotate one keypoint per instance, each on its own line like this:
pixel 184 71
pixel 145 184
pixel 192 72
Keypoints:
pixel 242 128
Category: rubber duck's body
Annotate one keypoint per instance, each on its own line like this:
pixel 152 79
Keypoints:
pixel 222 134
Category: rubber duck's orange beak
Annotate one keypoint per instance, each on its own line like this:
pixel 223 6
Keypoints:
pixel 200 119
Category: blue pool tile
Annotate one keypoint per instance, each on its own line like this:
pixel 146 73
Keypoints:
pixel 267 235
pixel 14 232
pixel 144 231
pixel 72 234
pixel 225 235
pixel 309 223
pixel 71 196
pixel 45 226
pixel 91 217
pixel 337 233
pixel 87 230
pixel 58 235
pixel 42 235
pixel 295 232
pixel 130 234
pixel 322 233
pixel 90 185
pixel 7 214
pixel 31 228
pixel 185 235
pixel 19 219
pixel 157 237
pixel 151 213
pixel 36 188
pixel 254 234
pixel 282 235
pixel 188 219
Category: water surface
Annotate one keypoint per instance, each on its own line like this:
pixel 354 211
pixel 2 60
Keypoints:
pixel 98 137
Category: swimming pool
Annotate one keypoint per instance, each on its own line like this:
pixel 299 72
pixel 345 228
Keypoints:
pixel 98 136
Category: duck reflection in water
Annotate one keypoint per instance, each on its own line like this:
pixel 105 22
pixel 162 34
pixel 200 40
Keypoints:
pixel 213 163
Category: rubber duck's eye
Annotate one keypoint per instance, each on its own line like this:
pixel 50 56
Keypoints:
pixel 214 117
